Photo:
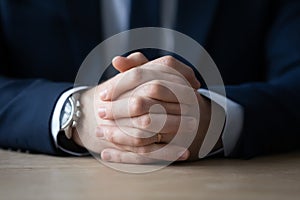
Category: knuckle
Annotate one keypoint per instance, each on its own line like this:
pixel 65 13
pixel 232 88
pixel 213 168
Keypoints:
pixel 154 88
pixel 136 74
pixel 136 106
pixel 144 121
pixel 138 54
pixel 169 61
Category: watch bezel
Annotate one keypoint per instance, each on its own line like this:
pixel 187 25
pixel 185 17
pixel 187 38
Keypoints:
pixel 73 112
pixel 70 117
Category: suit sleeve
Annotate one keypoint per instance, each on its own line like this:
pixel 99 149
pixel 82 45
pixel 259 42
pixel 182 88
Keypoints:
pixel 26 108
pixel 272 108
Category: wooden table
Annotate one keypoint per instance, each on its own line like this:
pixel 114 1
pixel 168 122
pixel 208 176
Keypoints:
pixel 24 176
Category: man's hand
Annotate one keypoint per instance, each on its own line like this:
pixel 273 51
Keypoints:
pixel 133 121
pixel 85 133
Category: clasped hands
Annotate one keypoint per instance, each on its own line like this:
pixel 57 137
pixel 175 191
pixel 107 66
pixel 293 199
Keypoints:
pixel 142 110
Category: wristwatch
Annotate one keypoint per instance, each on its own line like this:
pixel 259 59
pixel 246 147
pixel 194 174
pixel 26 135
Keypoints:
pixel 70 114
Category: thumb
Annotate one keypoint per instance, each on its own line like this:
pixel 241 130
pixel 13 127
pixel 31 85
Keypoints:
pixel 123 64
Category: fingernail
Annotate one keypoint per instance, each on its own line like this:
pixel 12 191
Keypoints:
pixel 100 132
pixel 183 155
pixel 103 94
pixel 105 155
pixel 102 112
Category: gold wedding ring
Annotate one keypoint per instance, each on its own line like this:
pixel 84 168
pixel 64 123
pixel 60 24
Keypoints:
pixel 158 138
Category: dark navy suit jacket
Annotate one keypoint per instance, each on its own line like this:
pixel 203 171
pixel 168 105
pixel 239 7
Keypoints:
pixel 255 44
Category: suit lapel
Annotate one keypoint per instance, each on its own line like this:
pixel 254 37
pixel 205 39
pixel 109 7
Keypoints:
pixel 195 18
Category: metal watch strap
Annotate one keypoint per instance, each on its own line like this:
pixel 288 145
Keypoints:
pixel 75 104
pixel 56 125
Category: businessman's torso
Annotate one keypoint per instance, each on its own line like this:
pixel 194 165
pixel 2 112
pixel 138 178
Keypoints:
pixel 49 39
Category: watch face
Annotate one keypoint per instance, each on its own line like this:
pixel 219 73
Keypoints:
pixel 66 114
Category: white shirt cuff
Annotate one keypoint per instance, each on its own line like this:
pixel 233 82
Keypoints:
pixel 234 120
pixel 55 121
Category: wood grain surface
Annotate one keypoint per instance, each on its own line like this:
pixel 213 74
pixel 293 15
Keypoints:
pixel 27 176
